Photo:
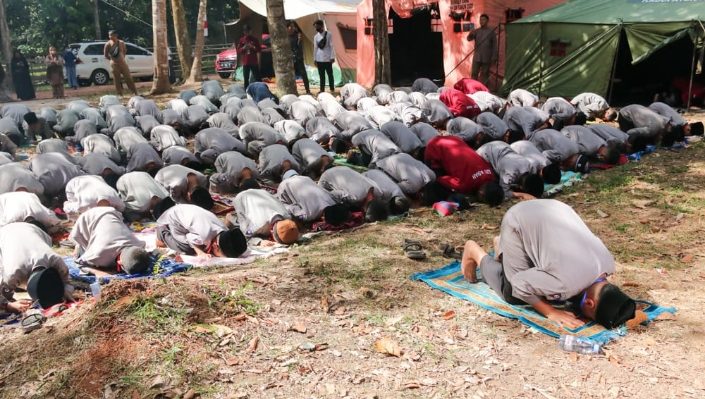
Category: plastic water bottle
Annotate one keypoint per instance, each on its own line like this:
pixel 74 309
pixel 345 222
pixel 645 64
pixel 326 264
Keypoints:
pixel 571 343
pixel 95 290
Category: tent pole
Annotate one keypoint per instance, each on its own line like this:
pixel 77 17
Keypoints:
pixel 499 41
pixel 541 60
pixel 614 65
pixel 692 73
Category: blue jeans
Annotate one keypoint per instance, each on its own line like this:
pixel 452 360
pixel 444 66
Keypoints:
pixel 71 76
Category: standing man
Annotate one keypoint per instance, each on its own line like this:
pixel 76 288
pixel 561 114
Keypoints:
pixel 485 50
pixel 297 50
pixel 323 55
pixel 115 50
pixel 70 61
pixel 248 49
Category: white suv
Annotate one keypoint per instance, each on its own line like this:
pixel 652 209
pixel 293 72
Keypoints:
pixel 95 68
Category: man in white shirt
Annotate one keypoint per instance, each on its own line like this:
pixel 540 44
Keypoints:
pixel 323 55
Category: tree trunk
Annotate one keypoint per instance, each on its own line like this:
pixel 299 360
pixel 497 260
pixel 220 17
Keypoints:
pixel 6 46
pixel 96 20
pixel 383 69
pixel 281 48
pixel 196 73
pixel 183 41
pixel 161 83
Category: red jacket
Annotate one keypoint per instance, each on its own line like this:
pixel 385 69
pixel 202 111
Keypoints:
pixel 247 49
pixel 470 86
pixel 462 170
pixel 459 103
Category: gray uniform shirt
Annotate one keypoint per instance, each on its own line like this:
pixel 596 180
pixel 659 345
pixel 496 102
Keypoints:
pixel 291 130
pixel 229 166
pixel 54 171
pixel 346 185
pixel 639 120
pixel 307 152
pixel 100 144
pixel 522 98
pixel 609 133
pixel 141 156
pixel 389 188
pixel 488 102
pixel 665 110
pixel 52 145
pixel 18 206
pixel 529 151
pixel 127 137
pixel 16 176
pixel 174 179
pixel 402 136
pixel 436 112
pixel 146 123
pixel 96 164
pixel 464 128
pixel 525 119
pixel 137 189
pixel 351 93
pixel 410 174
pixel 589 143
pixel 492 125
pixel 83 128
pixel 555 145
pixel 506 163
pixel 321 129
pixel 559 107
pixel 257 131
pixel 424 132
pixel 590 104
pixel 303 198
pixel 225 122
pixel 213 141
pixel 548 251
pixel 101 234
pixel 257 210
pixel 178 155
pixel 351 123
pixel 249 114
pixel 380 115
pixel 271 159
pixel 302 111
pixel 191 224
pixel 376 144
pixel 94 115
pixel 165 136
pixel 23 248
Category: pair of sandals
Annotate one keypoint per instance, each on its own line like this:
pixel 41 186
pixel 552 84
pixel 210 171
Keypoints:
pixel 414 250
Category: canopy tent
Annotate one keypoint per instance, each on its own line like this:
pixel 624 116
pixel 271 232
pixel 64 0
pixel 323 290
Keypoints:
pixel 429 37
pixel 339 18
pixel 575 47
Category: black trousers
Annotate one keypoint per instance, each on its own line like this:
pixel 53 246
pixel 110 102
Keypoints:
pixel 246 70
pixel 300 70
pixel 323 68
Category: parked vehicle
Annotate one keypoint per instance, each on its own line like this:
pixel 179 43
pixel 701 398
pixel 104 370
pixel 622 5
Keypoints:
pixel 95 68
pixel 226 62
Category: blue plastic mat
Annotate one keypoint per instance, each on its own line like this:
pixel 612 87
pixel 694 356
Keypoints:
pixel 162 268
pixel 450 280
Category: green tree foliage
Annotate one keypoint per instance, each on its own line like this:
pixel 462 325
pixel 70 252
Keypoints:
pixel 37 24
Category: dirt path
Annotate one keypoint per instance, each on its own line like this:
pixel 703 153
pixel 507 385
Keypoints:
pixel 305 324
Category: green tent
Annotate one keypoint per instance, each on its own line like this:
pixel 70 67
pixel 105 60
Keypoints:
pixel 573 48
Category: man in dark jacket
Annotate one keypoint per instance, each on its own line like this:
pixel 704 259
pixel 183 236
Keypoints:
pixel 297 50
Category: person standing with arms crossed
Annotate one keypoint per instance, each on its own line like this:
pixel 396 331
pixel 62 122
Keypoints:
pixel 248 49
pixel 70 61
pixel 115 50
pixel 323 55
pixel 485 50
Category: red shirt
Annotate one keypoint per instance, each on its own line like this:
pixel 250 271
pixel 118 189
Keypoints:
pixel 463 170
pixel 247 49
pixel 459 104
pixel 470 86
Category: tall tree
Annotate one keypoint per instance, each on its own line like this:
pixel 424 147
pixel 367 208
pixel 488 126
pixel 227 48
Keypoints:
pixel 281 48
pixel 6 43
pixel 383 69
pixel 161 60
pixel 183 40
pixel 96 20
pixel 196 73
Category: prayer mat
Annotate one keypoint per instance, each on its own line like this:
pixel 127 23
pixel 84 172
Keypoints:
pixel 450 280
pixel 568 178
pixel 637 155
pixel 163 267
pixel 343 161
pixel 356 219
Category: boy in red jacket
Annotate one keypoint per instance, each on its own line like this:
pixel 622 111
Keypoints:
pixel 459 103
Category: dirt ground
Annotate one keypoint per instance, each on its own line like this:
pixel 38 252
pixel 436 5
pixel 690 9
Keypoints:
pixel 304 325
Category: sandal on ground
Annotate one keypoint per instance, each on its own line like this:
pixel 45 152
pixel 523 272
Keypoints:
pixel 413 249
pixel 450 252
pixel 32 321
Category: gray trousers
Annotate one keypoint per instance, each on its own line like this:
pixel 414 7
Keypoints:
pixel 164 235
pixel 493 274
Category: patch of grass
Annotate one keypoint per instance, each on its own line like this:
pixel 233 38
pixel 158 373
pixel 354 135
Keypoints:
pixel 130 378
pixel 622 227
pixel 171 354
pixel 610 180
pixel 157 315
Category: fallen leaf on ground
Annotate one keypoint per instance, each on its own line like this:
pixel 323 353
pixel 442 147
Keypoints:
pixel 642 204
pixel 687 258
pixel 252 346
pixel 325 304
pixel 411 385
pixel 232 361
pixel 299 327
pixel 639 317
pixel 601 214
pixel 388 346
pixel 449 315
pixel 308 346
